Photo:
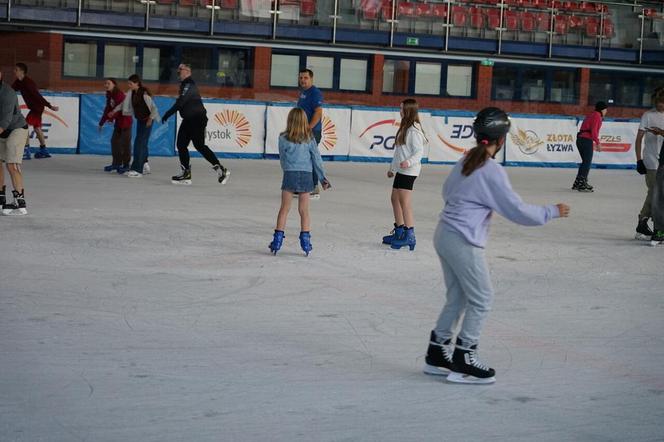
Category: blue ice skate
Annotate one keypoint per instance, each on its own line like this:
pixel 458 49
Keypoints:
pixel 277 241
pixel 408 239
pixel 42 153
pixel 305 242
pixel 110 168
pixel 396 233
pixel 26 153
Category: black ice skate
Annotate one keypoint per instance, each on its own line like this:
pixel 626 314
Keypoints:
pixel 17 208
pixel 183 178
pixel 467 368
pixel 643 231
pixel 223 173
pixel 439 356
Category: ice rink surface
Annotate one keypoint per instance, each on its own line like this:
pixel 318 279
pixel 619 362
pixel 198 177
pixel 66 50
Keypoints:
pixel 136 310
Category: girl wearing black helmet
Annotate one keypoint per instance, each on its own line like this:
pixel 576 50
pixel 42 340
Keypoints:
pixel 477 186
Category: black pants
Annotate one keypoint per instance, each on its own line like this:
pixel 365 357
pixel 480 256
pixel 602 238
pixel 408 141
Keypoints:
pixel 585 146
pixel 193 130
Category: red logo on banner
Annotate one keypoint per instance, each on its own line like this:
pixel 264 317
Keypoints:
pixel 380 123
pixel 458 149
pixel 616 147
pixel 329 133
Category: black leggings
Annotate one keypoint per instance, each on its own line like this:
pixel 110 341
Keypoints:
pixel 193 130
pixel 585 146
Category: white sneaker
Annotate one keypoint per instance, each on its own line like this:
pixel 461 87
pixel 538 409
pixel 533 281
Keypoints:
pixel 146 169
pixel 134 174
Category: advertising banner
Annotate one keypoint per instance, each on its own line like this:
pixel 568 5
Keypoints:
pixel 450 137
pixel 373 133
pixel 60 128
pixel 99 143
pixel 617 139
pixel 548 141
pixel 335 134
pixel 234 129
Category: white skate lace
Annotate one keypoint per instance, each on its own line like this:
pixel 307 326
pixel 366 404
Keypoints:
pixel 475 362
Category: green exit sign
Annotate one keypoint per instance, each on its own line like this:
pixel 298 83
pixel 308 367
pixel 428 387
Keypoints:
pixel 487 62
pixel 412 41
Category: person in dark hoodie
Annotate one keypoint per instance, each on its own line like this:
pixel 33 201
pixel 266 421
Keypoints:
pixel 192 128
pixel 121 139
pixel 36 104
pixel 13 133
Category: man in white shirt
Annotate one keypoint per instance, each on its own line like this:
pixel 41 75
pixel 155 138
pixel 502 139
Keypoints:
pixel 648 144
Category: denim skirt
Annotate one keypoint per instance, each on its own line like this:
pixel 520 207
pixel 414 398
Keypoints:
pixel 295 181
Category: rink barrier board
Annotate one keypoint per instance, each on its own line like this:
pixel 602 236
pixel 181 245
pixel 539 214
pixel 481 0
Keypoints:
pixel 89 141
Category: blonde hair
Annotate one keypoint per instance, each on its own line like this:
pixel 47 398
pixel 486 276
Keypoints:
pixel 297 126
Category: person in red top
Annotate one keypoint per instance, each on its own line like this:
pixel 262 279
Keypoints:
pixel 121 139
pixel 36 103
pixel 587 140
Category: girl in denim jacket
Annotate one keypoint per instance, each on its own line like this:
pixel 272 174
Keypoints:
pixel 299 157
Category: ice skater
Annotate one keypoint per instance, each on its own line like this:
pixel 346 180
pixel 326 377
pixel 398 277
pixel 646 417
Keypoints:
pixel 405 168
pixel 476 187
pixel 36 104
pixel 647 148
pixel 121 138
pixel 13 133
pixel 310 99
pixel 139 103
pixel 587 140
pixel 300 159
pixel 657 238
pixel 192 129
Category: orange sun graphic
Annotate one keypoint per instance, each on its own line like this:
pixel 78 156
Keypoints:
pixel 239 122
pixel 329 134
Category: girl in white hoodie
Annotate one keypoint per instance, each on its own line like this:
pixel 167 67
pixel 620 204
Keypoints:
pixel 405 168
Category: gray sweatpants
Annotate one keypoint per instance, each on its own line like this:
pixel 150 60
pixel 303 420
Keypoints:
pixel 469 291
pixel 658 199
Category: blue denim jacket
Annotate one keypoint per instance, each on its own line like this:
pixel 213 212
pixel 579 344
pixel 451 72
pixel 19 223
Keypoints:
pixel 301 157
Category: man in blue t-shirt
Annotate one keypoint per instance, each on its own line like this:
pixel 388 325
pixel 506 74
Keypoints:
pixel 311 101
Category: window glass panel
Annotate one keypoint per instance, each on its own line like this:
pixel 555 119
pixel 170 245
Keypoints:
pixel 396 76
pixel 564 87
pixel 159 64
pixel 427 78
pixel 323 69
pixel 284 70
pixel 459 80
pixel 200 60
pixel 353 74
pixel 233 68
pixel 601 88
pixel 651 83
pixel 504 82
pixel 534 85
pixel 80 59
pixel 119 61
pixel 628 91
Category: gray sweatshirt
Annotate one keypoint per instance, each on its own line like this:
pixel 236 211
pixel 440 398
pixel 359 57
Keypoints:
pixel 471 200
pixel 10 115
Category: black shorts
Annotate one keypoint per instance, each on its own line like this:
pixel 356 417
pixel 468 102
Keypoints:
pixel 403 181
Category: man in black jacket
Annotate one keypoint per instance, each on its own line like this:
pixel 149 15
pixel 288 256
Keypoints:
pixel 192 128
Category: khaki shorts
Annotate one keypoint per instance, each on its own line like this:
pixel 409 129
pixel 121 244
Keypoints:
pixel 11 148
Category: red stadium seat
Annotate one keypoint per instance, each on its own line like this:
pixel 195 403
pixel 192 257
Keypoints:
pixel 406 9
pixel 476 18
pixel 528 21
pixel 608 28
pixel 561 25
pixel 370 9
pixel 228 4
pixel 543 21
pixel 577 22
pixel 308 8
pixel 493 18
pixel 423 10
pixel 459 16
pixel 511 20
pixel 386 11
pixel 186 2
pixel 439 11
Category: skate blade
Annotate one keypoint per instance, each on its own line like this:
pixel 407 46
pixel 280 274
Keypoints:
pixel 656 243
pixel 15 212
pixel 460 378
pixel 642 237
pixel 182 183
pixel 436 371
